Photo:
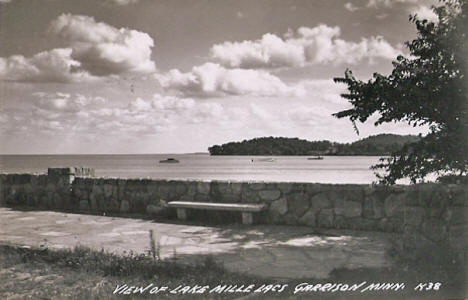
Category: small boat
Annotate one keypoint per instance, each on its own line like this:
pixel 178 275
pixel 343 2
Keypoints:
pixel 315 158
pixel 169 160
pixel 267 159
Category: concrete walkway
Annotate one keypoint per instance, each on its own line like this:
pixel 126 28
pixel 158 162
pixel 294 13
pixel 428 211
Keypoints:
pixel 280 252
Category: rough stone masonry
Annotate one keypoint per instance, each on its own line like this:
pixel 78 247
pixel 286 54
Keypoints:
pixel 426 214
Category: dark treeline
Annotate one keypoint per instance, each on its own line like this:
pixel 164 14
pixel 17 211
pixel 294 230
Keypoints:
pixel 382 144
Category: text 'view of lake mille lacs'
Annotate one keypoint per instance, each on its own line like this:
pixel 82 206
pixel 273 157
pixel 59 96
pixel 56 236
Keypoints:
pixel 331 169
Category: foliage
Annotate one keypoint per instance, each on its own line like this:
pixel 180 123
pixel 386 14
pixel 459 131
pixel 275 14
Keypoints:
pixel 427 88
pixel 65 267
pixel 383 144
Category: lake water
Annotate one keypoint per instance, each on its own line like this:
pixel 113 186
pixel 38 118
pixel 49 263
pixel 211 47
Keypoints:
pixel 332 169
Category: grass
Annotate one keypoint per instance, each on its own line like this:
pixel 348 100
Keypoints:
pixel 82 273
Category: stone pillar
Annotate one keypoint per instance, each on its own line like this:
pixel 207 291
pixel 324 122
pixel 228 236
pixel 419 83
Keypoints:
pixel 68 174
pixel 60 185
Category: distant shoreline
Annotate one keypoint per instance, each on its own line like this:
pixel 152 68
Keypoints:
pixel 379 145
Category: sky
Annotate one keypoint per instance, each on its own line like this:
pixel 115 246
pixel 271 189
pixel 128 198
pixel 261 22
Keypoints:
pixel 178 76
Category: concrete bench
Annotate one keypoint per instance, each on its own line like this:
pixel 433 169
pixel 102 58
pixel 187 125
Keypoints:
pixel 246 209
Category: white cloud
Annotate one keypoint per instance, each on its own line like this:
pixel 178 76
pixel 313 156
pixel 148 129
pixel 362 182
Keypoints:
pixel 64 114
pixel 64 102
pixel 318 45
pixel 103 49
pixel 208 112
pixel 55 65
pixel 351 7
pixel 270 50
pixel 424 13
pixel 209 80
pixel 161 103
pixel 378 3
pixel 123 2
pixel 93 49
pixel 388 3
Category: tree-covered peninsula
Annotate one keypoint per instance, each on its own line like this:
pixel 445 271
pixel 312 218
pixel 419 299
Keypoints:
pixel 378 145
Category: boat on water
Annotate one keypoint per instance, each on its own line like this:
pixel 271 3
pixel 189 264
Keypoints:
pixel 169 160
pixel 267 160
pixel 315 158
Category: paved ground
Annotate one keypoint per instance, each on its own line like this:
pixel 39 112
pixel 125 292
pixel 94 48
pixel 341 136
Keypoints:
pixel 270 251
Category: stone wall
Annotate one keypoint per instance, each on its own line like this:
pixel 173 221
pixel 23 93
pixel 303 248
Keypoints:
pixel 425 213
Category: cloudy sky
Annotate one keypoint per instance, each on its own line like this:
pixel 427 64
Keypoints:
pixel 177 76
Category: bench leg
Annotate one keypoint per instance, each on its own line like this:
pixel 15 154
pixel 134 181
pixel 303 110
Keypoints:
pixel 247 218
pixel 182 214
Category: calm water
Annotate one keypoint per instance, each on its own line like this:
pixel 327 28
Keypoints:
pixel 332 169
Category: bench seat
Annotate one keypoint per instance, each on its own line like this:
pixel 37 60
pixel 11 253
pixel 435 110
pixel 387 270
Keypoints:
pixel 246 209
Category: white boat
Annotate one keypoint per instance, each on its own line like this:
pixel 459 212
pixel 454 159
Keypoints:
pixel 267 159
pixel 315 158
pixel 169 160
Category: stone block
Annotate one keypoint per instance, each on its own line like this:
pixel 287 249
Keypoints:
pixel 44 201
pixel 94 203
pixel 107 190
pixel 279 207
pixel 414 240
pixel 309 218
pixel 456 215
pixel 362 224
pixel 313 188
pixel 459 196
pixel 412 196
pixel 222 187
pixel 124 206
pixel 204 187
pixel 352 193
pixel 298 203
pixel 434 229
pixel 50 187
pixel 394 205
pixel 458 230
pixel 340 222
pixel 152 209
pixel 269 195
pixel 348 209
pixel 390 225
pixel 333 195
pixel 320 201
pixel 290 219
pixel 373 207
pixel 57 200
pixel 57 172
pixel 28 188
pixel 236 188
pixel 249 196
pixel 83 205
pixel 414 215
pixel 153 188
pixel 256 186
pixel 188 197
pixel 325 218
pixel 33 200
pixel 167 191
pixel 50 200
pixel 284 187
pixel 68 201
pixel 425 193
pixel 230 198
pixel 202 198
